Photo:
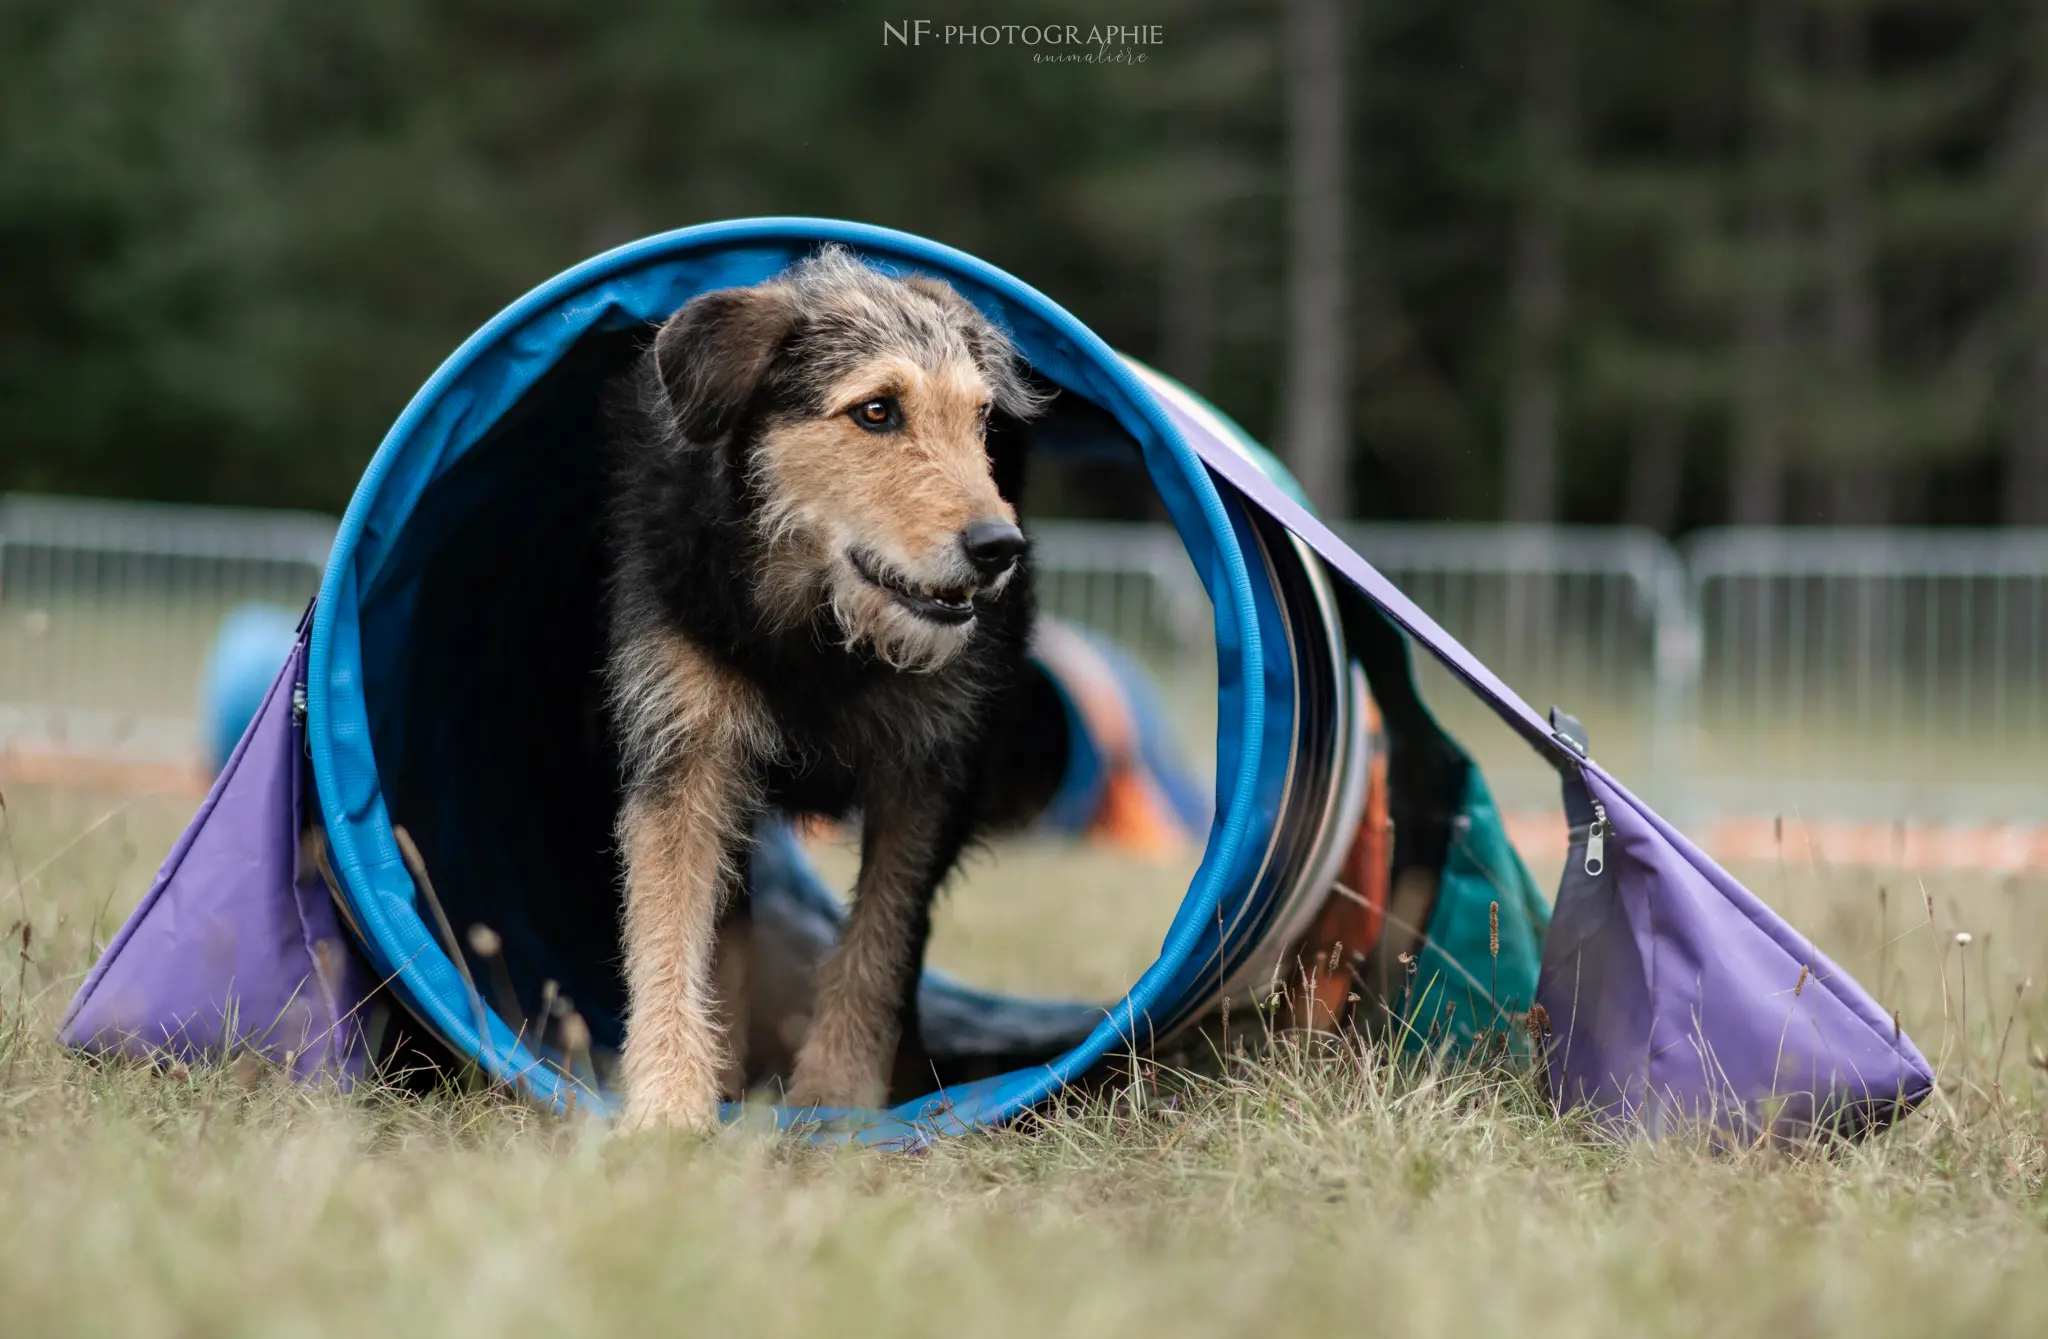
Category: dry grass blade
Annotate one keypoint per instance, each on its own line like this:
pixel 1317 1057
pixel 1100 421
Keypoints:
pixel 417 866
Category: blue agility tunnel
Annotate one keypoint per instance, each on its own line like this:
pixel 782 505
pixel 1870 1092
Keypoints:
pixel 463 589
pixel 462 608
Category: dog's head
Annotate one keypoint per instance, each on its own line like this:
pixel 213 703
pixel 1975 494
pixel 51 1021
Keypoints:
pixel 856 408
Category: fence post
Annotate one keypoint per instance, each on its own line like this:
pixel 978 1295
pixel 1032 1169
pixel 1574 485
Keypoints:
pixel 1675 676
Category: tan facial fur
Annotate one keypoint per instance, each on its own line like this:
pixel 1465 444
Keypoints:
pixel 899 498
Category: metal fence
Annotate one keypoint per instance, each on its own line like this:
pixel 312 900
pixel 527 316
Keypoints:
pixel 107 610
pixel 1860 674
pixel 1590 620
pixel 1867 674
pixel 1883 672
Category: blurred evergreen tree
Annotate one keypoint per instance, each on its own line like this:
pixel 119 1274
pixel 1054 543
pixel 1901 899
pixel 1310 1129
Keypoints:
pixel 1676 261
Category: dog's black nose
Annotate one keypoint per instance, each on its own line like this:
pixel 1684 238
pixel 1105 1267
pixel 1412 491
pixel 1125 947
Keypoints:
pixel 992 544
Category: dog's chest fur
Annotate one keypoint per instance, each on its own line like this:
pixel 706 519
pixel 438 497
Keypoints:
pixel 840 714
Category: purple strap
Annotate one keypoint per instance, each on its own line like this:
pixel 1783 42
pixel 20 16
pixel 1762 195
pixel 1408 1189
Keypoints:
pixel 1675 998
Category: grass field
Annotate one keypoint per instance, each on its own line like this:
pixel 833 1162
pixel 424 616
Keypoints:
pixel 1299 1190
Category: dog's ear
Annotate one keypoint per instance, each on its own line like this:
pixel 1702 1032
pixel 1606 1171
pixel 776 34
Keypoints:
pixel 712 355
pixel 991 348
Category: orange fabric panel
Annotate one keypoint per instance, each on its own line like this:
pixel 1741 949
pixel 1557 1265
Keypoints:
pixel 1356 909
pixel 1134 816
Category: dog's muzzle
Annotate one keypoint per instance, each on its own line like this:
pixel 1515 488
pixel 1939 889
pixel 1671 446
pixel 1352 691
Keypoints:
pixel 946 605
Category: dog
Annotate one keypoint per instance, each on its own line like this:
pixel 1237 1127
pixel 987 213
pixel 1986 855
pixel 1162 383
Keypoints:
pixel 820 603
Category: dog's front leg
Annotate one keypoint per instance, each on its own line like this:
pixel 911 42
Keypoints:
pixel 681 846
pixel 846 1055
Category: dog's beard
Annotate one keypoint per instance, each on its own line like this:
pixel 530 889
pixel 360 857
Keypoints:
pixel 803 576
pixel 871 619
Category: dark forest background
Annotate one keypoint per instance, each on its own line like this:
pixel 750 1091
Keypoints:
pixel 1677 262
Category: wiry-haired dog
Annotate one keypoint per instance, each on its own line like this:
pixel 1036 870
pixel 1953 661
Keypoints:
pixel 820 603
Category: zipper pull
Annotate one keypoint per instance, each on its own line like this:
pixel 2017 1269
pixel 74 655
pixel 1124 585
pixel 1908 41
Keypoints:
pixel 1596 840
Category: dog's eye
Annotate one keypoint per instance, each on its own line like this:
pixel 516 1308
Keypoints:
pixel 981 417
pixel 877 415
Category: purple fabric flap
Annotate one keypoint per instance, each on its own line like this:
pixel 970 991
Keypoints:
pixel 234 947
pixel 1682 1000
pixel 1674 995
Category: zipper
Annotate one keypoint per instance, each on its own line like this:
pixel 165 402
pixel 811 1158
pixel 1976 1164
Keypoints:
pixel 1596 840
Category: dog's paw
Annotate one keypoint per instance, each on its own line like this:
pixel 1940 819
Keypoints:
pixel 640 1117
pixel 689 1104
pixel 836 1081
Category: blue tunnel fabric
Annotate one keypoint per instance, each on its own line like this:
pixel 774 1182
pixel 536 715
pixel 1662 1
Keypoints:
pixel 252 641
pixel 371 590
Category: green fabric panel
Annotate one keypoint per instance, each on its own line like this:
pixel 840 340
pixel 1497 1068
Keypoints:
pixel 1460 989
